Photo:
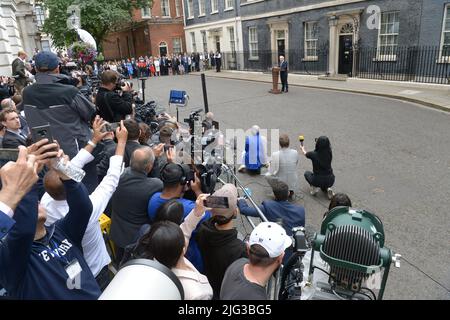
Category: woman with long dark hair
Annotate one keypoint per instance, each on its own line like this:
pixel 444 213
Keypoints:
pixel 322 176
pixel 167 242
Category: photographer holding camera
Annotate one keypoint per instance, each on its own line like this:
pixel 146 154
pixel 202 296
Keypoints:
pixel 112 106
pixel 177 179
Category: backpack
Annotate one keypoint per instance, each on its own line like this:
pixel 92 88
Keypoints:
pixel 135 250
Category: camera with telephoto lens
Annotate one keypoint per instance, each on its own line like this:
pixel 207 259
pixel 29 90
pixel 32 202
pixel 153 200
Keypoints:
pixel 292 274
pixel 190 174
pixel 194 118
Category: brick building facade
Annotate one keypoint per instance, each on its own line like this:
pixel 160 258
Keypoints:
pixel 154 31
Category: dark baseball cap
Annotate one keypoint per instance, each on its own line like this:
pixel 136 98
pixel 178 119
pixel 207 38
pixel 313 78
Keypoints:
pixel 46 61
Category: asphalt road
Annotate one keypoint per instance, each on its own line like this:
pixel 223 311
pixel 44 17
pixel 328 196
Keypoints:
pixel 390 157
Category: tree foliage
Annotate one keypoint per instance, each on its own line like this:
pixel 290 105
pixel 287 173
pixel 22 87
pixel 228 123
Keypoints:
pixel 98 17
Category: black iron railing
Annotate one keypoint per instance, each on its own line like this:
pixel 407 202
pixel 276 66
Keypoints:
pixel 265 60
pixel 414 64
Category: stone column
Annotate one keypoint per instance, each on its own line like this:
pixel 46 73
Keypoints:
pixel 9 17
pixel 24 30
pixel 5 48
pixel 333 20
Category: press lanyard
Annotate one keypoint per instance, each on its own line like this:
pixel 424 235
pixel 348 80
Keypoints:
pixel 54 248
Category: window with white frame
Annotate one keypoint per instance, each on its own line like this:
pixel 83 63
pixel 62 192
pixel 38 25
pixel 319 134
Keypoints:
pixel 388 35
pixel 194 45
pixel 204 41
pixel 178 7
pixel 40 16
pixel 445 42
pixel 229 4
pixel 253 42
pixel 214 6
pixel 201 7
pixel 232 41
pixel 165 8
pixel 146 12
pixel 190 8
pixel 176 45
pixel 45 45
pixel 311 39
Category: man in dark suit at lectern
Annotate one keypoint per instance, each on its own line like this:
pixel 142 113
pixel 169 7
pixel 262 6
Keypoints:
pixel 283 74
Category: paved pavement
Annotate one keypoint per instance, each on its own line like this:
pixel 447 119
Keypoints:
pixel 391 157
pixel 431 95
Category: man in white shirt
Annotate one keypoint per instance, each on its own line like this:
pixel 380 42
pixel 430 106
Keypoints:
pixel 54 200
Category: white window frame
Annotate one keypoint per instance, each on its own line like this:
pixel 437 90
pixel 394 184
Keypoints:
pixel 307 25
pixel 251 1
pixel 40 15
pixel 167 2
pixel 232 37
pixel 173 45
pixel 190 9
pixel 47 46
pixel 380 55
pixel 177 7
pixel 229 5
pixel 254 54
pixel 446 58
pixel 193 42
pixel 146 16
pixel 204 41
pixel 201 8
pixel 214 9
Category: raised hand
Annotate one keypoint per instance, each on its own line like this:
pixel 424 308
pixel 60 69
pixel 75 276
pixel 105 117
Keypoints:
pixel 199 205
pixel 18 178
pixel 97 125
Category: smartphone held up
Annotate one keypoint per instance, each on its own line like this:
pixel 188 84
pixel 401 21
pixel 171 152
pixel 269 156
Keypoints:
pixel 216 202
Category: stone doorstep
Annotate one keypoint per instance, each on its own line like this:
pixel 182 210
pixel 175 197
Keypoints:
pixel 333 78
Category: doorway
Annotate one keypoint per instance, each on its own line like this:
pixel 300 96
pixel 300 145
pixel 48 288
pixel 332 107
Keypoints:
pixel 345 55
pixel 163 49
pixel 217 38
pixel 281 43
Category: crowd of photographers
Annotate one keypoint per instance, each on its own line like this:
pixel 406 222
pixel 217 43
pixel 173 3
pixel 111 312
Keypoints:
pixel 51 243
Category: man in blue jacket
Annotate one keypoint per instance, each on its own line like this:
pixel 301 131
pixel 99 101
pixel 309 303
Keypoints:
pixel 279 210
pixel 6 223
pixel 175 179
pixel 17 180
pixel 39 262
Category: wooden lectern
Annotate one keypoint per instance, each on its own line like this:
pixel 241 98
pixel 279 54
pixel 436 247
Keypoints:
pixel 275 76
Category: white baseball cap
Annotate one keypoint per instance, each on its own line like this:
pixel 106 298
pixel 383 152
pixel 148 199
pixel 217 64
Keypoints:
pixel 272 237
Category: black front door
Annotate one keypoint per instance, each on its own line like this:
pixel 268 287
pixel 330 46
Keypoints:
pixel 281 48
pixel 163 51
pixel 218 43
pixel 346 54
